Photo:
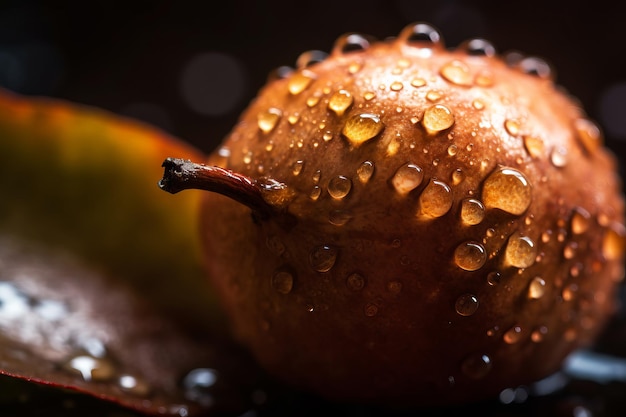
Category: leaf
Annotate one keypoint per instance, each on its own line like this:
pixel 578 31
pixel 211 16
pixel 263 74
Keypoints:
pixel 102 287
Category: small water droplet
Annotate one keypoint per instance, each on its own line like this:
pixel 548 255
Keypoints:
pixel 362 127
pixel 536 288
pixel 406 178
pixel 267 120
pixel 433 95
pixel 339 187
pixel 351 42
pixel 456 72
pixel 589 134
pixel 535 66
pixel 309 58
pixel 457 176
pixel 507 189
pixel 538 334
pixel 452 150
pixel 223 155
pixel 421 35
pixel 355 282
pixel 493 278
pixel 478 47
pixel 293 118
pixel 297 167
pixel 314 99
pixel 394 287
pixel 478 104
pixel 484 78
pixel 521 251
pixel 466 305
pixel 436 199
pixel 247 158
pixel 534 146
pixel 472 211
pixel 275 193
pixel 365 171
pixel 322 258
pixel 580 220
pixel 91 368
pixel 339 217
pixel 437 118
pixel 558 156
pixel 613 244
pixel 476 366
pixel 133 385
pixel 370 309
pixel 354 67
pixel 396 86
pixel 315 193
pixel 418 82
pixel 369 95
pixel 340 101
pixel 197 386
pixel 282 281
pixel 512 127
pixel 300 81
pixel 470 256
pixel 513 335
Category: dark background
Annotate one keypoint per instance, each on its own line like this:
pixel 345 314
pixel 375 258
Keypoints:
pixel 136 57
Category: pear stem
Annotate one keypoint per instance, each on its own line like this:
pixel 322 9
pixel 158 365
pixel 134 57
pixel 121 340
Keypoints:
pixel 183 174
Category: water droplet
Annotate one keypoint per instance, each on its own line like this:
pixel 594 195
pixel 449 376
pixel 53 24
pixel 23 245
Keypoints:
pixel 339 187
pixel 355 282
pixel 436 199
pixel 362 127
pixel 538 334
pixel 493 278
pixel 521 251
pixel 478 104
pixel 354 67
pixel 223 155
pixel 133 385
pixel 437 118
pixel 478 47
pixel 300 81
pixel 589 134
pixel 394 287
pixel 275 193
pixel 314 99
pixel 275 244
pixel 267 120
pixel 365 171
pixel 282 281
pixel 418 82
pixel 351 42
pixel 433 95
pixel 297 167
pixel 452 150
pixel 308 58
pixel 535 66
pixel 512 126
pixel 322 258
pixel 476 366
pixel 407 178
pixel 420 35
pixel 316 176
pixel 569 251
pixel 293 118
pixel 91 368
pixel 370 309
pixel 507 189
pixel 456 72
pixel 315 193
pixel 558 156
pixel 339 217
pixel 613 244
pixel 457 176
pixel 369 95
pixel 466 305
pixel 472 211
pixel 197 385
pixel 536 288
pixel 340 101
pixel 513 335
pixel 580 220
pixel 484 78
pixel 534 146
pixel 470 256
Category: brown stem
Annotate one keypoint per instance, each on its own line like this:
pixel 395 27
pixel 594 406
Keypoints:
pixel 182 174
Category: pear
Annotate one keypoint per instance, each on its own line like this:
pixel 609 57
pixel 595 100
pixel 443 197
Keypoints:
pixel 407 224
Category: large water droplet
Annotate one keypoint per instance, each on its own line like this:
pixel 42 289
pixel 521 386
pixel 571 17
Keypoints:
pixel 476 366
pixel 558 156
pixel 362 127
pixel 472 211
pixel 507 189
pixel 407 178
pixel 470 256
pixel 536 288
pixel 351 42
pixel 521 251
pixel 339 187
pixel 456 72
pixel 282 281
pixel 322 258
pixel 436 199
pixel 268 119
pixel 275 193
pixel 340 101
pixel 420 35
pixel 365 171
pixel 300 81
pixel 437 118
pixel 466 305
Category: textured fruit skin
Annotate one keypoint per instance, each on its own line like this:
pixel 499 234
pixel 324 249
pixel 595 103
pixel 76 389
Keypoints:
pixel 398 339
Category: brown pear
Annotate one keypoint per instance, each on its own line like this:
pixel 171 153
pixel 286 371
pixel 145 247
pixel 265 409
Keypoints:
pixel 408 224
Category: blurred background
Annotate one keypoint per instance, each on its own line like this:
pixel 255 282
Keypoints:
pixel 191 67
